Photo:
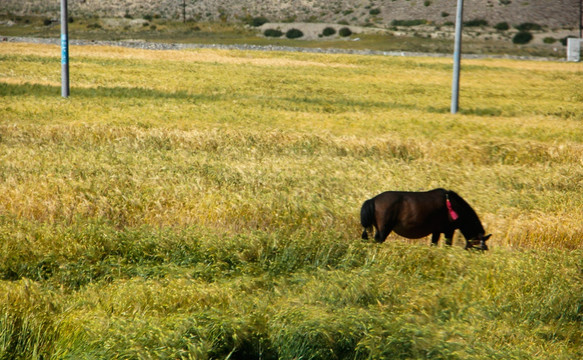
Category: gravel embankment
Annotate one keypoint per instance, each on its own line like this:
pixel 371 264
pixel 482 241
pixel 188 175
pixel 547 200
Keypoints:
pixel 140 44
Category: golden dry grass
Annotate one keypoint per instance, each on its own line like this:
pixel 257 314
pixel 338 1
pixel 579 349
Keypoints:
pixel 366 123
pixel 204 204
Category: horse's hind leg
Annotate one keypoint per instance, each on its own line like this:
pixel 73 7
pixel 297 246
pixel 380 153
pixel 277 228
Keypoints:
pixel 389 221
pixel 381 236
pixel 435 238
pixel 449 238
pixel 384 232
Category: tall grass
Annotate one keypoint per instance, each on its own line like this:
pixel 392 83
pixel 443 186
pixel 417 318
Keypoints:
pixel 204 204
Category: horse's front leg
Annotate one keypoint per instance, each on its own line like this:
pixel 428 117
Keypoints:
pixel 449 237
pixel 435 238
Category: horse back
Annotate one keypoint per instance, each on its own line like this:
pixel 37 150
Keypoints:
pixel 423 200
pixel 413 214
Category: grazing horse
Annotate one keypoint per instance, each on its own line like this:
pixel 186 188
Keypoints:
pixel 417 214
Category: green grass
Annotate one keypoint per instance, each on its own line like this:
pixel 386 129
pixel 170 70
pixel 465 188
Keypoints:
pixel 204 204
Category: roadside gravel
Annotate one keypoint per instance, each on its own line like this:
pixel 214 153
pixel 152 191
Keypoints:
pixel 140 44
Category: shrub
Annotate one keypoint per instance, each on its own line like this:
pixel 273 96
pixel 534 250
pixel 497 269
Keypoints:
pixel 148 17
pixel 408 22
pixel 294 34
pixel 374 11
pixel 502 26
pixel 427 3
pixel 444 14
pixel 312 19
pixel 549 40
pixel 344 32
pixel 272 33
pixel 528 27
pixel 523 37
pixel 258 21
pixel 329 31
pixel 476 22
pixel 565 39
pixel 47 22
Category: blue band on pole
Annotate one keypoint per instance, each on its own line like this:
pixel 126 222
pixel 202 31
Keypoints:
pixel 64 49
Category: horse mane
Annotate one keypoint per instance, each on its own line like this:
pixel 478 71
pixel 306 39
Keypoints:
pixel 469 218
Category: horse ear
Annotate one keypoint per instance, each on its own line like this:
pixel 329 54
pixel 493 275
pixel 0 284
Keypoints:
pixel 486 237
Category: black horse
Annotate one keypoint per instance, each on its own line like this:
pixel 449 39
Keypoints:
pixel 417 214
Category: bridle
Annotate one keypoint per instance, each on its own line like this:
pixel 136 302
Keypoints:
pixel 453 216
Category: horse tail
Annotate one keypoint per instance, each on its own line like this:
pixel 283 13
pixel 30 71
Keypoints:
pixel 367 216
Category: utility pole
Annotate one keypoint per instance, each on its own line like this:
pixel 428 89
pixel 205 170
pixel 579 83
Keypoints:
pixel 64 50
pixel 184 11
pixel 457 54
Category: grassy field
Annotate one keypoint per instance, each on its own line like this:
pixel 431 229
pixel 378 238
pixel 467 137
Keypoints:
pixel 205 205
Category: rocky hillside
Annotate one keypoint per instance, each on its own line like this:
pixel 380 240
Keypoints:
pixel 554 14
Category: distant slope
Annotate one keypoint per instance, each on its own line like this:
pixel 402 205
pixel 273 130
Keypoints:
pixel 554 14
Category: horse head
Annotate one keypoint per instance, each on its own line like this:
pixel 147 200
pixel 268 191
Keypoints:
pixel 478 242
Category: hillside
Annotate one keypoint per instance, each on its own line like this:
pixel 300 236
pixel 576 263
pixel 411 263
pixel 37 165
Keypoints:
pixel 554 14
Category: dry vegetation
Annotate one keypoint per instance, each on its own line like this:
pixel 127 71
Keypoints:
pixel 556 14
pixel 204 204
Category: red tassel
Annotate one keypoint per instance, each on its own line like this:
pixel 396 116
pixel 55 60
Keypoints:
pixel 454 216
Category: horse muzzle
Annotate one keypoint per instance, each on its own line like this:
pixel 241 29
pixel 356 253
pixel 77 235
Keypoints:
pixel 476 245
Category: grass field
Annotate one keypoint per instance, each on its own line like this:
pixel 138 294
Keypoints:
pixel 205 205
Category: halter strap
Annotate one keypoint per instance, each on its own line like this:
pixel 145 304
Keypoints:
pixel 452 214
